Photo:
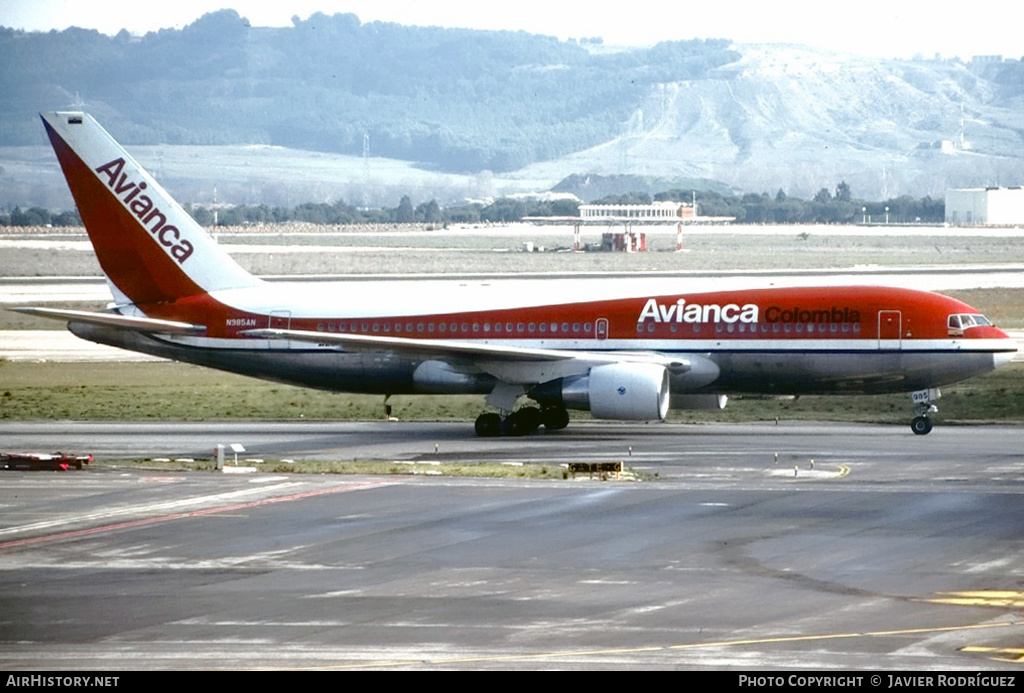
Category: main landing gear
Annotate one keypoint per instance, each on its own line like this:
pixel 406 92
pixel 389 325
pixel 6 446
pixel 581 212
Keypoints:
pixel 521 422
pixel 924 404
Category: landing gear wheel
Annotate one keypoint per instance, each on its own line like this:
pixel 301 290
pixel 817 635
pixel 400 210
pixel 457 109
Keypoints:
pixel 921 425
pixel 554 418
pixel 488 425
pixel 520 423
pixel 523 422
pixel 924 404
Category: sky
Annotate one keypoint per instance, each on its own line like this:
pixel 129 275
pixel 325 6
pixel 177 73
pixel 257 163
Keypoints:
pixel 878 28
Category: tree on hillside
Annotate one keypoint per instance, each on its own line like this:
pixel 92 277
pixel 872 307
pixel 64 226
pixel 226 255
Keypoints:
pixel 405 214
pixel 428 212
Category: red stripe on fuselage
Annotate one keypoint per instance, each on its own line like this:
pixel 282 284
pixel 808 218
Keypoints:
pixel 819 313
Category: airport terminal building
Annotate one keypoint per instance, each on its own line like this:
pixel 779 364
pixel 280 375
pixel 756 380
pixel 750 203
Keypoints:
pixel 985 207
pixel 670 212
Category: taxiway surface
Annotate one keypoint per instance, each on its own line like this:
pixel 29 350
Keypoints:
pixel 894 552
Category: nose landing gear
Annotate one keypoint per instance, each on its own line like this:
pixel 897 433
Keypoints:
pixel 921 425
pixel 924 404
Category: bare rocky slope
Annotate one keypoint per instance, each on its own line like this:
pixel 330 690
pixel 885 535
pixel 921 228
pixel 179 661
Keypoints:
pixel 796 119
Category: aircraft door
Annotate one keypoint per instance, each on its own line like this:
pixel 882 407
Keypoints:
pixel 601 328
pixel 890 329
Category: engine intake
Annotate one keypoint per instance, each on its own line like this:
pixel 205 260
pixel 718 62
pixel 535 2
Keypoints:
pixel 621 391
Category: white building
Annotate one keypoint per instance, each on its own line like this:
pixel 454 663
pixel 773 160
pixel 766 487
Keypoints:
pixel 657 211
pixel 985 207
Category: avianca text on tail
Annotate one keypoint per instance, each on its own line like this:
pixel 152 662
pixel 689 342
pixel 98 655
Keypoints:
pixel 149 215
pixel 535 349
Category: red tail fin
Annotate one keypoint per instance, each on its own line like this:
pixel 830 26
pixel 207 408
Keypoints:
pixel 147 245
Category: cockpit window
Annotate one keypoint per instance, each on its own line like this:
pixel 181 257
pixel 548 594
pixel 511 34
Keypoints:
pixel 964 320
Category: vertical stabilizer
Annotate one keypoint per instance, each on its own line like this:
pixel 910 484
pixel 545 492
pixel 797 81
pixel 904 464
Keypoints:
pixel 150 249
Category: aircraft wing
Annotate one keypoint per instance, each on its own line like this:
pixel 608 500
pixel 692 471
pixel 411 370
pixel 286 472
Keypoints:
pixel 140 324
pixel 514 365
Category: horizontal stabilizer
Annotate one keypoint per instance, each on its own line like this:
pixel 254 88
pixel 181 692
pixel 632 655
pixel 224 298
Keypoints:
pixel 115 320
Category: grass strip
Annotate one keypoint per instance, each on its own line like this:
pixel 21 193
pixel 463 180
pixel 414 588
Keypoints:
pixel 181 392
pixel 357 467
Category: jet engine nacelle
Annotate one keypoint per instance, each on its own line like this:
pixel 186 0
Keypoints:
pixel 623 391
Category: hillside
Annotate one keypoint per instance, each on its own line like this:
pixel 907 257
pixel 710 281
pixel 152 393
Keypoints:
pixel 532 109
pixel 452 99
pixel 799 120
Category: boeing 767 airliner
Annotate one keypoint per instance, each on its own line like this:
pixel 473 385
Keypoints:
pixel 619 354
